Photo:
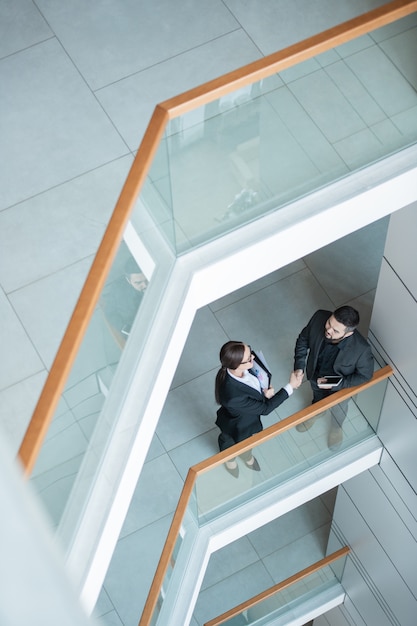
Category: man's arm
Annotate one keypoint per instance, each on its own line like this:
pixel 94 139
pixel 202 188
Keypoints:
pixel 363 372
pixel 301 348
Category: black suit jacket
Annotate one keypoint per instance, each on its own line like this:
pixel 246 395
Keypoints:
pixel 241 408
pixel 354 360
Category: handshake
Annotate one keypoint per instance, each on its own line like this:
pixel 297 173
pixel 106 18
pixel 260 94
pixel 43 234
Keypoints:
pixel 296 378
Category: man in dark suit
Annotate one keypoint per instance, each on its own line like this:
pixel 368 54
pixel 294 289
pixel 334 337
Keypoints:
pixel 330 345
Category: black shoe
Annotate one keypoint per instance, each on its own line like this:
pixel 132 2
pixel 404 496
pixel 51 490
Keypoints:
pixel 234 472
pixel 254 466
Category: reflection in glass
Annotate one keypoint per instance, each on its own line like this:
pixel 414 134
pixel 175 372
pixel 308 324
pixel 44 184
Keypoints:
pixel 287 600
pixel 263 146
pixel 289 454
pixel 88 385
pixel 123 294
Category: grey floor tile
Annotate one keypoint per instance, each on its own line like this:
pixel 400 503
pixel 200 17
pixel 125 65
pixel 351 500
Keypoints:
pixel 360 148
pixel 156 449
pixel 404 121
pixel 298 555
pixel 103 604
pixel 188 412
pixel 110 42
pixel 395 28
pixel 131 570
pixel 257 286
pixel 17 404
pixel 54 491
pixel 229 560
pixel 277 24
pixel 195 450
pixel 21 26
pixel 376 70
pixel 328 108
pixel 151 503
pixel 201 351
pixel 289 528
pixel 402 50
pixel 307 133
pixel 111 619
pixel 130 102
pixel 235 589
pixel 45 306
pixel 23 360
pixel 355 91
pixel 58 227
pixel 349 267
pixel 50 111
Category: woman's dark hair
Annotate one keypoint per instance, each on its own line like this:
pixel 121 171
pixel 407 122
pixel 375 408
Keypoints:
pixel 348 316
pixel 231 355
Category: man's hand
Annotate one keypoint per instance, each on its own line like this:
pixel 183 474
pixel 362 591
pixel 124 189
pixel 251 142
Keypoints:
pixel 321 383
pixel 296 378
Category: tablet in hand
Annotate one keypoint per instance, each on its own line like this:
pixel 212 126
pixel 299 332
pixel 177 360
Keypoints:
pixel 331 382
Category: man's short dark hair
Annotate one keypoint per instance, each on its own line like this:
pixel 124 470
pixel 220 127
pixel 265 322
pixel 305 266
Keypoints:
pixel 348 316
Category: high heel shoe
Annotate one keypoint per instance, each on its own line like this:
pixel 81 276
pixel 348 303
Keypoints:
pixel 253 466
pixel 234 471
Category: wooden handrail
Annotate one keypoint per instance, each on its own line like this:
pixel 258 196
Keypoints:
pixel 283 59
pixel 200 468
pixel 164 111
pixel 264 595
pixel 293 420
pixel 90 294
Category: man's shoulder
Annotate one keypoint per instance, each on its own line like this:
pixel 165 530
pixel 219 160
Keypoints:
pixel 360 340
pixel 320 316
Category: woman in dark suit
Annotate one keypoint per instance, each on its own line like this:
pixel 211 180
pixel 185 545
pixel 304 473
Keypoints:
pixel 242 401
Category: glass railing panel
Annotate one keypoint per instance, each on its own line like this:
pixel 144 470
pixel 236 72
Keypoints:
pixel 262 146
pixel 89 382
pixel 287 600
pixel 155 199
pixel 289 454
pixel 210 491
pixel 167 578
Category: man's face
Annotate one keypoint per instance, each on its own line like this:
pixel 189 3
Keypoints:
pixel 334 331
pixel 138 281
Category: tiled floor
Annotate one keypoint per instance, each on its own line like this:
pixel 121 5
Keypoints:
pixel 79 82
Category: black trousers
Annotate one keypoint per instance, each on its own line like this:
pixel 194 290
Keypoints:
pixel 227 441
pixel 339 411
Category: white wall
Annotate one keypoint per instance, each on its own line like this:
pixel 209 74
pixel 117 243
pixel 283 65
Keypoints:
pixel 376 512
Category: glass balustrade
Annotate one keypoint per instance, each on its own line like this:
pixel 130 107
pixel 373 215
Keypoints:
pixel 289 454
pixel 219 166
pixel 286 597
pixel 89 384
pixel 269 143
pixel 283 452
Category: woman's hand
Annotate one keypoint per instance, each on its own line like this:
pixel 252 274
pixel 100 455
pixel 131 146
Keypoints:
pixel 268 393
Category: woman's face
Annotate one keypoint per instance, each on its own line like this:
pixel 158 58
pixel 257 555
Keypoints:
pixel 247 360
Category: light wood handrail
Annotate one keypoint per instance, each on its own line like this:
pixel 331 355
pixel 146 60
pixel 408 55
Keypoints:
pixel 293 420
pixel 264 595
pixel 200 468
pixel 78 324
pixel 283 59
pixel 90 294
